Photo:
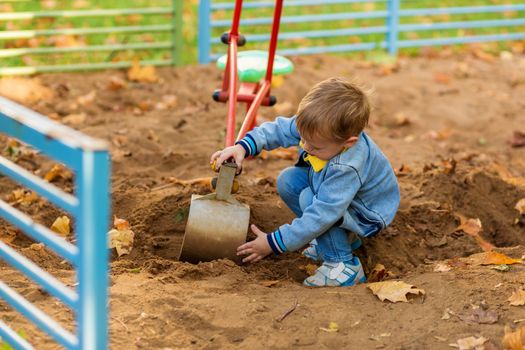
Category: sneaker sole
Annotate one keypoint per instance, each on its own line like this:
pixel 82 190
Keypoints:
pixel 346 284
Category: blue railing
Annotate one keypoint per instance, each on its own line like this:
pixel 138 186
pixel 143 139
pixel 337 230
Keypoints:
pixel 89 207
pixel 392 20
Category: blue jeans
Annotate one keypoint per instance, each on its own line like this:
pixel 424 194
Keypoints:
pixel 292 185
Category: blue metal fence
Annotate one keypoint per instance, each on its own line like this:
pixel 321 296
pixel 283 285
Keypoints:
pixel 89 207
pixel 390 23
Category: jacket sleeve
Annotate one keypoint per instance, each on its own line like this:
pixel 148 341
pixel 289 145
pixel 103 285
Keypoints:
pixel 329 205
pixel 282 132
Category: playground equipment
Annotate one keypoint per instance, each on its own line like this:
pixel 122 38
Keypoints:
pixel 217 223
pixel 89 159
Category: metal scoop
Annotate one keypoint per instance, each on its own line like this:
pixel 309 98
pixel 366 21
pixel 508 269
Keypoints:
pixel 217 222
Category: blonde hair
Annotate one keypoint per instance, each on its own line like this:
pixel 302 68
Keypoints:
pixel 333 109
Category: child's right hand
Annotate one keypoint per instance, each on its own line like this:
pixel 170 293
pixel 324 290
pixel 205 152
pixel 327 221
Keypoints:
pixel 236 152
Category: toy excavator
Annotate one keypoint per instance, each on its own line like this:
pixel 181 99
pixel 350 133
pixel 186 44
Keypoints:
pixel 217 222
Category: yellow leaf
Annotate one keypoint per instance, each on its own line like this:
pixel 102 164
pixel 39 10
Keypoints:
pixel 470 343
pixel 277 81
pixel 120 224
pixel 517 298
pixel 61 226
pixel 332 327
pixel 57 171
pixel 494 258
pixel 145 74
pixel 393 291
pixel 121 239
pixel 472 227
pixel 514 340
pixel 520 206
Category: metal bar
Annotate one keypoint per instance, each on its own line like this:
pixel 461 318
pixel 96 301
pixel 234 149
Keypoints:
pixel 44 134
pixel 392 22
pixel 84 13
pixel 39 233
pixel 43 278
pixel 462 40
pixel 314 34
pixel 234 31
pixel 464 24
pixel 204 31
pixel 177 39
pixel 307 18
pixel 232 103
pixel 265 4
pixel 252 111
pixel 323 49
pixel 78 67
pixel 46 323
pixel 273 42
pixel 27 34
pixel 115 47
pixel 11 337
pixel 92 226
pixel 460 10
pixel 40 186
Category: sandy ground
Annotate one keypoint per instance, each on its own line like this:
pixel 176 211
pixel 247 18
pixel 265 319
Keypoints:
pixel 444 120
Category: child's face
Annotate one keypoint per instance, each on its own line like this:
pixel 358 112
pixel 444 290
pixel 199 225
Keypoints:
pixel 324 149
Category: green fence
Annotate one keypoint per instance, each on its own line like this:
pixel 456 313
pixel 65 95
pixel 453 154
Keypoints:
pixel 61 40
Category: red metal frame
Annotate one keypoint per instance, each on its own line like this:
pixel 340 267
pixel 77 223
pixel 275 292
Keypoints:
pixel 252 94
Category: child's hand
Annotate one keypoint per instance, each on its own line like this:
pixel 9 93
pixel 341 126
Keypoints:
pixel 256 249
pixel 236 152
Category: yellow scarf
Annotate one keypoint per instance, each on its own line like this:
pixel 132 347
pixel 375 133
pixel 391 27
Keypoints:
pixel 316 163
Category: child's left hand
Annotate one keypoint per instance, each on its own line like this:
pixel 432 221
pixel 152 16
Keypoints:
pixel 256 249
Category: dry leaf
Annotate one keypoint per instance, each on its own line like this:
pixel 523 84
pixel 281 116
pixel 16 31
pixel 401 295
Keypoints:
pixel 518 139
pixel 332 327
pixel 145 74
pixel 495 258
pixel 378 274
pixel 8 235
pixel 87 99
pixel 168 101
pixel 116 83
pixel 120 224
pixel 36 246
pixel 473 227
pixel 74 119
pixel 58 170
pixel 480 316
pixel 441 78
pixel 514 340
pixel 393 291
pixel 61 226
pixel 442 267
pixel 470 343
pixel 121 240
pixel 24 90
pixel 517 298
pixel 401 119
pixel 520 206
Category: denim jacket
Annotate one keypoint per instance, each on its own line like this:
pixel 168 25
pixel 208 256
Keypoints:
pixel 356 190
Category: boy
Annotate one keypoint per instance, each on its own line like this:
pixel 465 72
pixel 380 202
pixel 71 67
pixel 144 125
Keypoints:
pixel 342 182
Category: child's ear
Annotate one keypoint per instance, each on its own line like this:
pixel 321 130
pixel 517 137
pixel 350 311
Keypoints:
pixel 351 141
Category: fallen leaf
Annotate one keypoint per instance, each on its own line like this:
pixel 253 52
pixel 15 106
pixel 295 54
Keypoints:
pixel 495 258
pixel 470 343
pixel 514 340
pixel 167 102
pixel 481 316
pixel 393 291
pixel 449 166
pixel 8 235
pixel 501 268
pixel 332 327
pixel 473 227
pixel 61 226
pixel 25 90
pixel 442 267
pixel 518 139
pixel 310 269
pixel 36 246
pixel 378 273
pixel 447 313
pixel 116 83
pixel 517 298
pixel 520 206
pixel 74 119
pixel 146 74
pixel 441 78
pixel 87 98
pixel 58 170
pixel 121 240
pixel 401 119
pixel 120 224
